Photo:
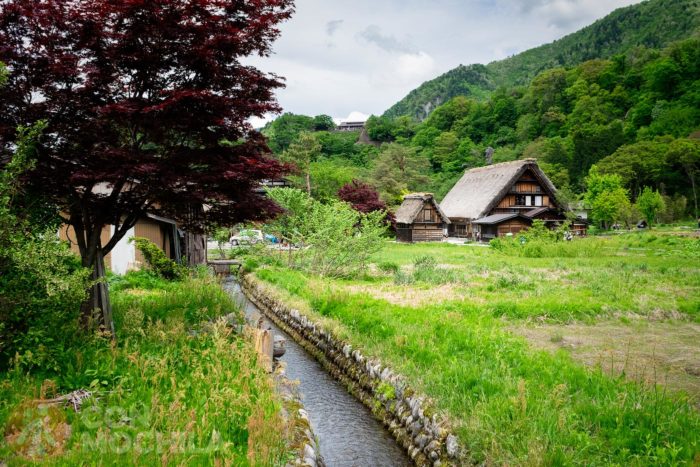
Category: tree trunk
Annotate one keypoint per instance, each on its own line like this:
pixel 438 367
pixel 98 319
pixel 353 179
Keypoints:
pixel 695 194
pixel 97 309
pixel 308 182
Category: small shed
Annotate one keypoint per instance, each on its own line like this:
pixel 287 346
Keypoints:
pixel 420 219
pixel 498 225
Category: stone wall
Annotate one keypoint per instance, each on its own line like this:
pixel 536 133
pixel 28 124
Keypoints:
pixel 304 442
pixel 409 416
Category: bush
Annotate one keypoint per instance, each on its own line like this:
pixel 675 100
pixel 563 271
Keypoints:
pixel 402 278
pixel 388 267
pixel 41 281
pixel 333 239
pixel 425 269
pixel 157 261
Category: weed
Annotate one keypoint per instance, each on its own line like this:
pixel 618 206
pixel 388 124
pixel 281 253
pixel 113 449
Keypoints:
pixel 524 406
pixel 388 267
pixel 163 395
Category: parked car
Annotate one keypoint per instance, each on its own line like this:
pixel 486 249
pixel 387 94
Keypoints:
pixel 247 237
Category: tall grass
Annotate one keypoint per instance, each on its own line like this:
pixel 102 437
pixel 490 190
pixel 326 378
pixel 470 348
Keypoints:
pixel 162 395
pixel 510 404
pixel 593 277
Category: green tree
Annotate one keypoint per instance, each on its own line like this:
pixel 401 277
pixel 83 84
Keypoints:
pixel 380 128
pixel 638 164
pixel 41 281
pixel 284 130
pixel 338 240
pixel 445 150
pixel 650 203
pixel 399 169
pixel 323 123
pixel 606 197
pixel 329 176
pixel 686 153
pixel 610 206
pixel 305 150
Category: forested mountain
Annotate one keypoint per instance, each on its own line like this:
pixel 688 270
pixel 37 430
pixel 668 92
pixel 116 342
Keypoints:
pixel 652 24
pixel 635 116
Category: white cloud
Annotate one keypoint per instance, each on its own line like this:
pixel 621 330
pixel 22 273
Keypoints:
pixel 365 55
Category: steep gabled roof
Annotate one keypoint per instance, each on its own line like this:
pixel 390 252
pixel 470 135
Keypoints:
pixel 480 189
pixel 413 204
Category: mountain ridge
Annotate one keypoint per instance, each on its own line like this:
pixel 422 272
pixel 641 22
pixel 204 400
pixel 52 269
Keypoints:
pixel 650 24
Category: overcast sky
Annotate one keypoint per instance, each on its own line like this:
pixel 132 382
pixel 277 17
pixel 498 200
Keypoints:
pixel 363 56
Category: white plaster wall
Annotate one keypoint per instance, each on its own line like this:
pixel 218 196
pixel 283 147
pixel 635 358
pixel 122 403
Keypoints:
pixel 123 254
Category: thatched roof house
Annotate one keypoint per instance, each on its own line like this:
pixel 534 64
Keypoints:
pixel 501 198
pixel 420 219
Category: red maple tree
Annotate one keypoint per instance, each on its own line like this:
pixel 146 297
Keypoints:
pixel 146 104
pixel 363 198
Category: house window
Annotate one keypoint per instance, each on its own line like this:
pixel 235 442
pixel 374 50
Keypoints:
pixel 528 200
pixel 520 200
pixel 426 215
pixel 538 201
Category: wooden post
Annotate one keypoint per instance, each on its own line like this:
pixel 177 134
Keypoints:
pixel 264 348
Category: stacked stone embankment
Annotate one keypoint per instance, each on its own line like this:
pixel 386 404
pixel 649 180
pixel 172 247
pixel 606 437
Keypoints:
pixel 409 416
pixel 304 442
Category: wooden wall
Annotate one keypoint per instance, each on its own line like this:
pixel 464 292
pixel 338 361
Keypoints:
pixel 419 233
pixel 152 230
pixel 66 233
pixel 512 226
pixel 428 214
pixel 508 201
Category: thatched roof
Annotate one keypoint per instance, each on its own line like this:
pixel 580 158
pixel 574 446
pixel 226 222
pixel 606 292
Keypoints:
pixel 413 204
pixel 480 189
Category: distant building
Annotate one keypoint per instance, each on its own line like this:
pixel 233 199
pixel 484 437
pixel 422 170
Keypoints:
pixel 351 126
pixel 499 199
pixel 273 183
pixel 420 219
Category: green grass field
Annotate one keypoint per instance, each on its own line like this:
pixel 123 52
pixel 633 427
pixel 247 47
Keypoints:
pixel 454 320
pixel 162 395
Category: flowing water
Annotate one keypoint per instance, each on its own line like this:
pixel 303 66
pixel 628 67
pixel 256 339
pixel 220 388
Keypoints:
pixel 348 434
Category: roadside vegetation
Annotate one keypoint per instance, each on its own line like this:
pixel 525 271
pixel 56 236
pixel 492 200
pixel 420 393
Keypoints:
pixel 453 319
pixel 178 386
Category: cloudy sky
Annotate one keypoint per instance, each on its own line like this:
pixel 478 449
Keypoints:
pixel 340 57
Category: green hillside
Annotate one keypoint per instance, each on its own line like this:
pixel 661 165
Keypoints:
pixel 651 24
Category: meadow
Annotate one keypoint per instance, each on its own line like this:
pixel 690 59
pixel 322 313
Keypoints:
pixel 177 387
pixel 495 336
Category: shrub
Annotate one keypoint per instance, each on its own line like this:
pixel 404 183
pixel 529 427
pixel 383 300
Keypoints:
pixel 41 281
pixel 157 261
pixel 425 269
pixel 401 278
pixel 334 239
pixel 388 267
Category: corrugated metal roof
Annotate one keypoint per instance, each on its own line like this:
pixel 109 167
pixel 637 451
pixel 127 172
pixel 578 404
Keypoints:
pixel 496 218
pixel 536 211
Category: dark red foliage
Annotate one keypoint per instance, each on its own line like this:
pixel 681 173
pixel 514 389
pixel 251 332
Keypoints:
pixel 363 198
pixel 139 96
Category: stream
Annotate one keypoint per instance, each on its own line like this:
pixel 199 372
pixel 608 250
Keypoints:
pixel 348 434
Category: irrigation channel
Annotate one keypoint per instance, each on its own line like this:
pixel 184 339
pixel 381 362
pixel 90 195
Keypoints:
pixel 347 432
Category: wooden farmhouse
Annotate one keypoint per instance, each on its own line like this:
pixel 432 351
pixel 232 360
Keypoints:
pixel 420 219
pixel 495 200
